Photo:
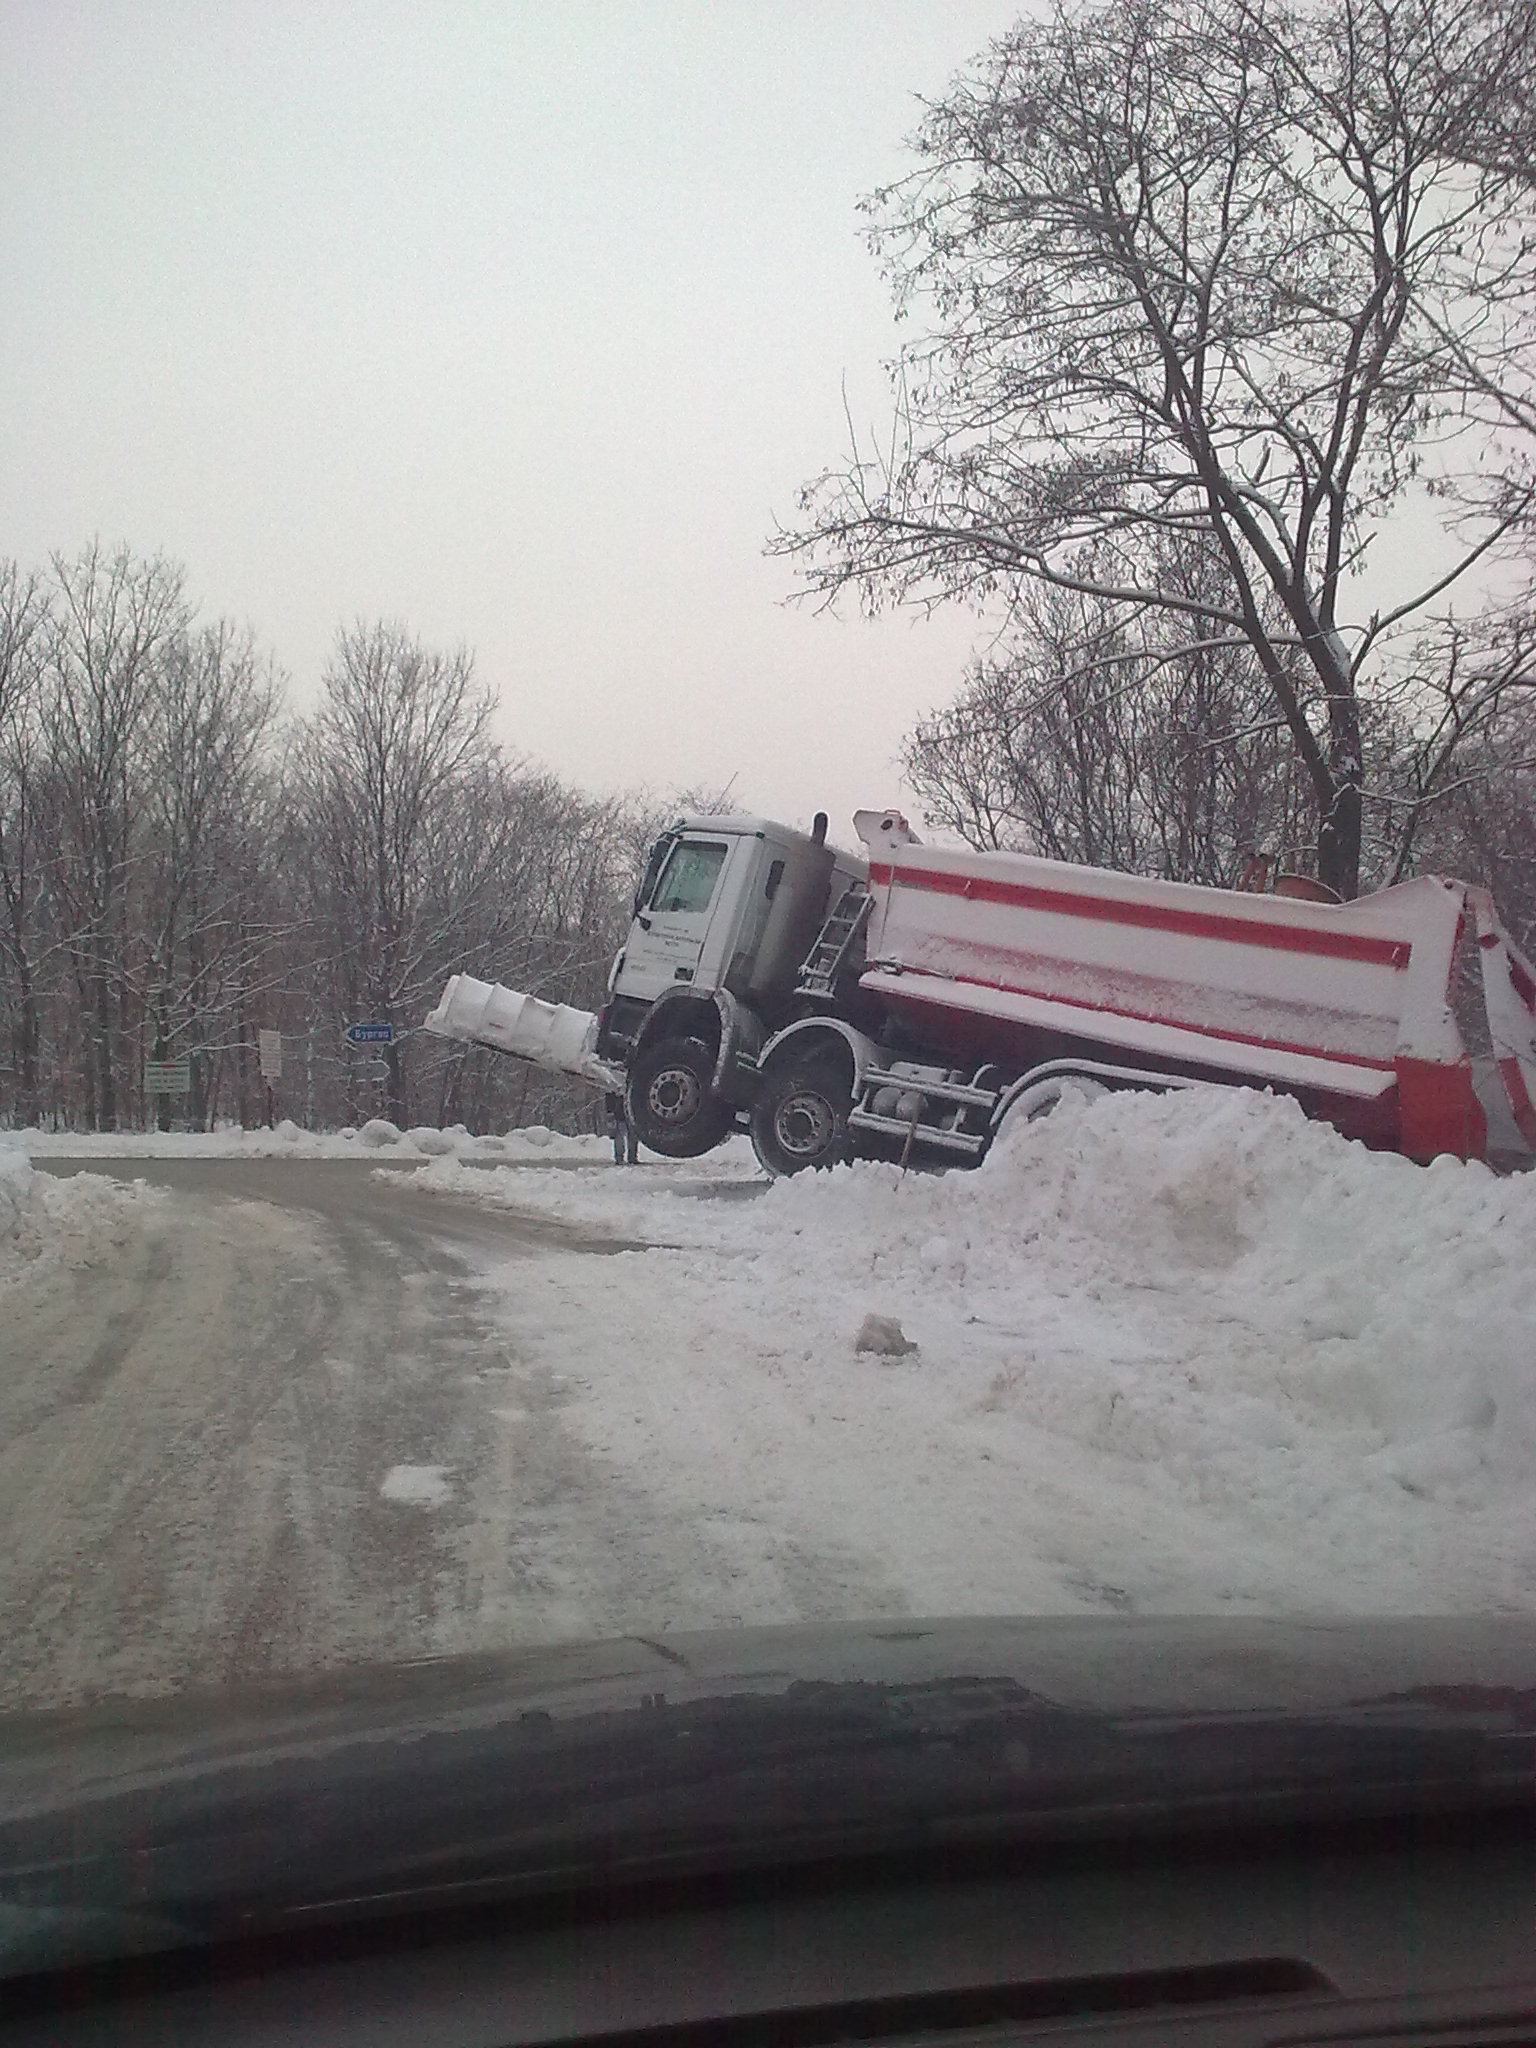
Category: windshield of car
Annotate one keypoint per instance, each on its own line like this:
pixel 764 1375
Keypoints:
pixel 502 1148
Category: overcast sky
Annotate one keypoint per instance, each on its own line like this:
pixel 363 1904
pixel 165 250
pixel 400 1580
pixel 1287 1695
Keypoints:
pixel 520 321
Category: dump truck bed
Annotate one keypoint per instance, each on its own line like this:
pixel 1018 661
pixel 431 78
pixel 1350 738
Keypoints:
pixel 1349 1005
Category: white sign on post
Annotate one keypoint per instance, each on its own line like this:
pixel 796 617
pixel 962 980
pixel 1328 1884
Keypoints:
pixel 269 1053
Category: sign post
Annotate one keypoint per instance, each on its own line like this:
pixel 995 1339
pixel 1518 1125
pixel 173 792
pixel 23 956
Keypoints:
pixel 168 1077
pixel 370 1034
pixel 269 1058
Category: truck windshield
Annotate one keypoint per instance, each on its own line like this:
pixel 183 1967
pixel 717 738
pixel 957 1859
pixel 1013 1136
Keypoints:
pixel 688 879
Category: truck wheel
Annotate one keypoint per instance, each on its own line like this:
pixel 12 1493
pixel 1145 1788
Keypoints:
pixel 800 1119
pixel 670 1104
pixel 1034 1103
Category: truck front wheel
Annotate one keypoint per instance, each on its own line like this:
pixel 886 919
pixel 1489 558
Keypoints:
pixel 670 1101
pixel 800 1118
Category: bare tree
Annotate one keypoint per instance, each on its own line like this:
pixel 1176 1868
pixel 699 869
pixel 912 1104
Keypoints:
pixel 1230 272
pixel 113 616
pixel 23 632
pixel 401 733
pixel 204 929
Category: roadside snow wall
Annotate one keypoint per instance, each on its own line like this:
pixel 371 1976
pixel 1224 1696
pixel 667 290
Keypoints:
pixel 1188 1353
pixel 1319 1282
pixel 77 1220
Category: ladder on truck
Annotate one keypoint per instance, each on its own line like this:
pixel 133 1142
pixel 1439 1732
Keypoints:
pixel 825 961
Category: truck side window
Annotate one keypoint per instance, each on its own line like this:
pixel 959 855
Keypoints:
pixel 688 879
pixel 775 876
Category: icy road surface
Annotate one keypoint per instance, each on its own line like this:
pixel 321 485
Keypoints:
pixel 1178 1354
pixel 272 1420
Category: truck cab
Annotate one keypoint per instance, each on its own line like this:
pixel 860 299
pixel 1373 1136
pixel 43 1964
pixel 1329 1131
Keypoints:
pixel 725 915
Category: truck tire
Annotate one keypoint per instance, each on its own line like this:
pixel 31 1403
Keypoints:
pixel 1050 1096
pixel 670 1101
pixel 800 1118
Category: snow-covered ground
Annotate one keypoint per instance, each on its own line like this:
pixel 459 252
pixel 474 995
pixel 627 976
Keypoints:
pixel 1181 1353
pixel 1189 1352
pixel 376 1139
pixel 70 1222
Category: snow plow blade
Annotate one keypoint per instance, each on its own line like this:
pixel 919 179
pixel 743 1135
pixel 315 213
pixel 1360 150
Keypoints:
pixel 550 1035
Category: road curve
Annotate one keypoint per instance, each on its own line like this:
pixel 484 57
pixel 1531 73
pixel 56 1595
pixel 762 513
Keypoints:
pixel 263 1435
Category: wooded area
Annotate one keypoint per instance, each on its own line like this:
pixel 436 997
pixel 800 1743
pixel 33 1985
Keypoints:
pixel 1221 396
pixel 185 863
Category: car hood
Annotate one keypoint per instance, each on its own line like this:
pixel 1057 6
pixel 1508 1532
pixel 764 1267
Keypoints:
pixel 135 1826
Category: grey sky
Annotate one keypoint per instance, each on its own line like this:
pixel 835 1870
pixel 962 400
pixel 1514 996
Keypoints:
pixel 517 321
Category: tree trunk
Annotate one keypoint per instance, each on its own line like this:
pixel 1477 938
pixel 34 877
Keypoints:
pixel 25 1035
pixel 396 1065
pixel 162 1102
pixel 1338 841
pixel 1340 829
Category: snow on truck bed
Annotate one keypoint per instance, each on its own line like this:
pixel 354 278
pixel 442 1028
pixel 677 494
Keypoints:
pixel 1188 1352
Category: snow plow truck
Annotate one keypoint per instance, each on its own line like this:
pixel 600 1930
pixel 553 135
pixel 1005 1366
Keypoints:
pixel 910 1002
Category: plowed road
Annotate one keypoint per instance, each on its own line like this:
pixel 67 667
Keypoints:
pixel 220 1447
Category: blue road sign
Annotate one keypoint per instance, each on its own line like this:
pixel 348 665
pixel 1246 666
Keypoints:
pixel 370 1034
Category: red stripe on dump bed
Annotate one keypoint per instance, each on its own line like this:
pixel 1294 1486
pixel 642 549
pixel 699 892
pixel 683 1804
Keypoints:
pixel 1193 924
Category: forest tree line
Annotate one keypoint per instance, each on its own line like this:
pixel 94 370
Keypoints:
pixel 185 862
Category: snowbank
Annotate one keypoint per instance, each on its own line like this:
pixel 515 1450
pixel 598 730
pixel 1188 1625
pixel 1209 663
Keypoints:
pixel 74 1221
pixel 1333 1287
pixel 1190 1351
pixel 377 1139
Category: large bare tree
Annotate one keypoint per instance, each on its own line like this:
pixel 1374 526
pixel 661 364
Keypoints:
pixel 112 617
pixel 401 733
pixel 205 918
pixel 24 843
pixel 1239 274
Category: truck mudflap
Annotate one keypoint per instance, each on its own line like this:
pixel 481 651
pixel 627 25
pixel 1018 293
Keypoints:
pixel 1509 991
pixel 549 1035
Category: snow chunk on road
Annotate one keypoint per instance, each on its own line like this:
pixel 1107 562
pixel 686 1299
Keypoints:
pixel 73 1222
pixel 1188 1351
pixel 417 1486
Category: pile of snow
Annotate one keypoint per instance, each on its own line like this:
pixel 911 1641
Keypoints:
pixel 16 1184
pixel 639 1200
pixel 537 1141
pixel 377 1132
pixel 1326 1286
pixel 1188 1351
pixel 73 1222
